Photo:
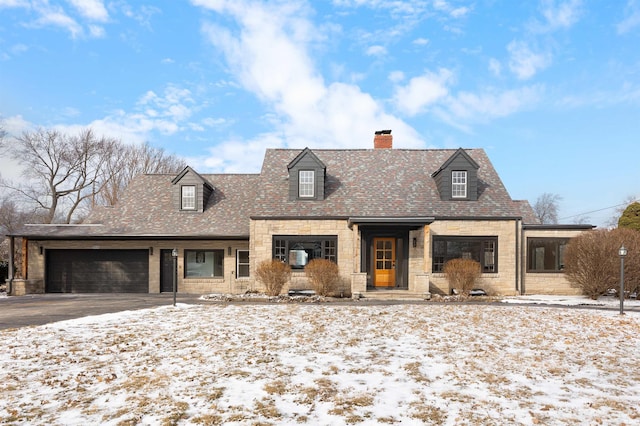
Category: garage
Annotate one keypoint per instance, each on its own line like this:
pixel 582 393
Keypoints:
pixel 97 271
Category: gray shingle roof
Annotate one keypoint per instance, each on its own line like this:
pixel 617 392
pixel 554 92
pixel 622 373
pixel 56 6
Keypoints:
pixel 381 183
pixel 360 183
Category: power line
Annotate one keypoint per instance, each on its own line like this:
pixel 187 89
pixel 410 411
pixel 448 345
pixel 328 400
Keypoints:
pixel 599 210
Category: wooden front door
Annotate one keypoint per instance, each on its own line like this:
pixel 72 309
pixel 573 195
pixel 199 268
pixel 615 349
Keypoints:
pixel 384 264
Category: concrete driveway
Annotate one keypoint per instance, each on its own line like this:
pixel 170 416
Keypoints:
pixel 38 309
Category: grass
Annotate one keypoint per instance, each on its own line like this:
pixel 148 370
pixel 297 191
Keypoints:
pixel 255 365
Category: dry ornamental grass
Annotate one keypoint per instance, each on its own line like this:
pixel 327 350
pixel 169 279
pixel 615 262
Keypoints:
pixel 322 364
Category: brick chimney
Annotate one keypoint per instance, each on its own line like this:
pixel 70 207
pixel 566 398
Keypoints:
pixel 383 139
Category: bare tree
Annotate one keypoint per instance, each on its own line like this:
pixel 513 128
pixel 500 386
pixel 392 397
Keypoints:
pixel 12 218
pixel 60 171
pixel 546 208
pixel 127 162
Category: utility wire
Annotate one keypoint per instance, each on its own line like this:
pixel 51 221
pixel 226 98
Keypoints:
pixel 599 210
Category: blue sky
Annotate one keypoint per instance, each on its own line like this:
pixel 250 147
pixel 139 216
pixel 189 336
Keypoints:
pixel 550 89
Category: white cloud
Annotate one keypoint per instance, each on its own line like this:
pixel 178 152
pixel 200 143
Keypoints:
pixel 632 17
pixel 269 56
pixel 495 67
pixel 97 31
pixel 91 9
pixel 525 63
pixel 421 41
pixel 454 12
pixel 376 51
pixel 56 17
pixel 562 15
pixel 396 76
pixel 492 103
pixel 422 91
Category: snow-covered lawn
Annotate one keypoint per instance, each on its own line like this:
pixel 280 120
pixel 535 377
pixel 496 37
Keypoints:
pixel 327 364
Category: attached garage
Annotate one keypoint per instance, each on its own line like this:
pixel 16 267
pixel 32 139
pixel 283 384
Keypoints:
pixel 97 271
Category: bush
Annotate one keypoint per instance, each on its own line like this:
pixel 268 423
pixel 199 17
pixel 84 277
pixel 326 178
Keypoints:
pixel 592 263
pixel 323 275
pixel 274 274
pixel 462 274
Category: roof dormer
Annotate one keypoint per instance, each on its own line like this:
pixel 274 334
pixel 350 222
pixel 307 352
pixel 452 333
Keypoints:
pixel 306 177
pixel 457 178
pixel 191 191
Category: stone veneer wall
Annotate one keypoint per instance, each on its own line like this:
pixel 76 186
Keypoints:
pixel 501 283
pixel 227 284
pixel 545 282
pixel 262 232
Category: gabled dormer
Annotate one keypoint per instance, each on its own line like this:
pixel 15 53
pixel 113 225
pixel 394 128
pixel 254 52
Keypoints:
pixel 190 191
pixel 457 178
pixel 306 177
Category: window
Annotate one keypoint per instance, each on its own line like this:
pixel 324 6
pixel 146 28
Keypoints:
pixel 188 197
pixel 306 184
pixel 297 251
pixel 546 254
pixel 242 263
pixel 203 263
pixel 459 184
pixel 480 249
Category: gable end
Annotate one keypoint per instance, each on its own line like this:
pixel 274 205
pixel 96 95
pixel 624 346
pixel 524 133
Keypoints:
pixel 190 178
pixel 445 176
pixel 308 167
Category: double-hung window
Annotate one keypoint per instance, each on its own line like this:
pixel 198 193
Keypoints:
pixel 242 263
pixel 458 184
pixel 297 251
pixel 481 249
pixel 306 184
pixel 188 197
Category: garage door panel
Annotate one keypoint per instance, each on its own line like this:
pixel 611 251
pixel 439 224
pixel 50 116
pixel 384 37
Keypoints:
pixel 97 271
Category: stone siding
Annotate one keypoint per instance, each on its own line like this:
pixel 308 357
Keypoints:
pixel 545 282
pixel 226 284
pixel 261 246
pixel 501 283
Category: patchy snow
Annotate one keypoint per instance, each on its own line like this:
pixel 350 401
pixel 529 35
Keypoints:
pixel 541 299
pixel 326 364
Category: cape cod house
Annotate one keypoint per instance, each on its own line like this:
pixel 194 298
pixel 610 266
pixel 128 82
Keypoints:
pixel 390 218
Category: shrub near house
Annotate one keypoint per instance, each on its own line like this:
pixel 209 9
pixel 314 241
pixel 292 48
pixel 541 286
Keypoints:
pixel 462 274
pixel 323 275
pixel 592 263
pixel 274 275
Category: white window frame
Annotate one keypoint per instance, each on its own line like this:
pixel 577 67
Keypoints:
pixel 459 184
pixel 306 184
pixel 238 264
pixel 188 201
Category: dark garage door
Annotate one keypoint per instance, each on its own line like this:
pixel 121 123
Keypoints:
pixel 97 271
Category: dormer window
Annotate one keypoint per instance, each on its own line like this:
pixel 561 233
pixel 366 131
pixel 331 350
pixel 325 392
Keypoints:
pixel 306 177
pixel 458 184
pixel 188 197
pixel 306 183
pixel 457 179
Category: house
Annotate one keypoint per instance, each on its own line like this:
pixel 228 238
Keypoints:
pixel 390 218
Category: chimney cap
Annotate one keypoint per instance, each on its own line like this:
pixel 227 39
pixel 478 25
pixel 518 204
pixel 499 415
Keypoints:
pixel 383 132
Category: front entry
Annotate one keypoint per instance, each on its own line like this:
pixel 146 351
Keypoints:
pixel 384 273
pixel 166 271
